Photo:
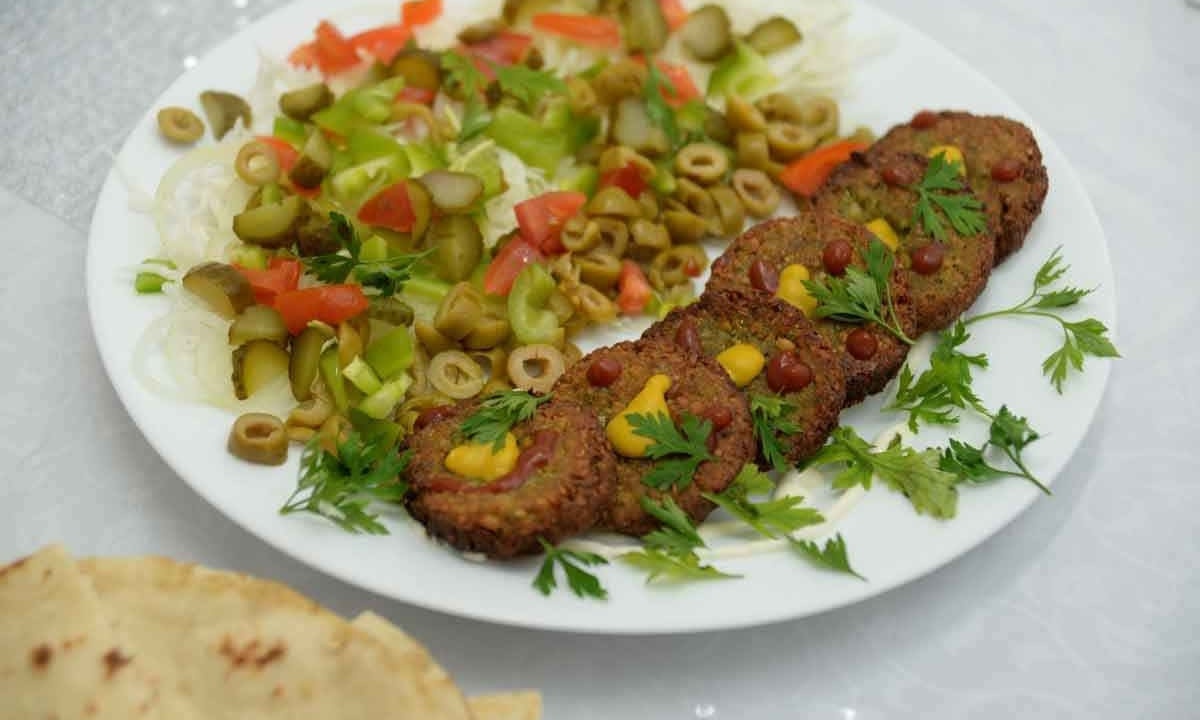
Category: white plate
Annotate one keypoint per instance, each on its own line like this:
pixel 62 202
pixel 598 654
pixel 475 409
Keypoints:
pixel 888 542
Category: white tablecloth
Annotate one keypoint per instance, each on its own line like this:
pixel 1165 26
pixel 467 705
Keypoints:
pixel 1087 606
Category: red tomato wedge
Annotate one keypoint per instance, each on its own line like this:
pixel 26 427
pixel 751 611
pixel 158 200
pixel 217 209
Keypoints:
pixel 508 263
pixel 417 95
pixel 288 156
pixel 390 208
pixel 683 88
pixel 334 53
pixel 628 178
pixel 382 42
pixel 590 30
pixel 633 289
pixel 541 218
pixel 331 304
pixel 281 275
pixel 503 48
pixel 674 12
pixel 420 12
pixel 806 175
pixel 304 56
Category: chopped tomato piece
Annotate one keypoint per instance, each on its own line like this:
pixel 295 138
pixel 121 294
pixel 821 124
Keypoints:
pixel 304 56
pixel 541 219
pixel 591 30
pixel 390 208
pixel 633 289
pixel 334 53
pixel 282 275
pixel 418 95
pixel 692 267
pixel 503 48
pixel 330 304
pixel 683 89
pixel 382 42
pixel 507 265
pixel 288 156
pixel 628 178
pixel 420 12
pixel 806 175
pixel 674 12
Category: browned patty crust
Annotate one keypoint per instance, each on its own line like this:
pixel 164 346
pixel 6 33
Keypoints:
pixel 1004 166
pixel 565 497
pixel 801 240
pixel 860 191
pixel 698 386
pixel 724 317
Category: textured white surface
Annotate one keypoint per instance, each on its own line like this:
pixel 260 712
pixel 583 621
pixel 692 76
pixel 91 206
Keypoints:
pixel 1087 606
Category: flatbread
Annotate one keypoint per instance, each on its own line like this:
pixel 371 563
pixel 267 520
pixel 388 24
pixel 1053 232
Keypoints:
pixel 526 705
pixel 59 656
pixel 228 647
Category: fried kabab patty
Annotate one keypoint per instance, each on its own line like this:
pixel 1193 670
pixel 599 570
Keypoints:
pixel 563 481
pixel 773 353
pixel 609 379
pixel 946 274
pixel 1003 161
pixel 763 259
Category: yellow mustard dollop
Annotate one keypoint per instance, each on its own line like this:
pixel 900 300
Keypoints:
pixel 743 362
pixel 792 291
pixel 951 154
pixel 480 461
pixel 652 399
pixel 881 229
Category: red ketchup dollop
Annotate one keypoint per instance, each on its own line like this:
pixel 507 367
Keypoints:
pixel 687 336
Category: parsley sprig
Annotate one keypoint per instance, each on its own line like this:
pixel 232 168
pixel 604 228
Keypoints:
pixel 770 518
pixel 1080 338
pixel 770 416
pixel 1009 434
pixel 941 189
pixel 462 73
pixel 858 296
pixel 939 392
pixel 386 276
pixel 497 415
pixel 527 85
pixel 580 581
pixel 914 473
pixel 689 442
pixel 341 486
pixel 669 553
pixel 657 108
pixel 832 557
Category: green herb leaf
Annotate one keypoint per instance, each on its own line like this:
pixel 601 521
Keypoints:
pixel 861 296
pixel 677 535
pixel 967 462
pixel 528 85
pixel 580 581
pixel 1009 434
pixel 768 415
pixel 770 518
pixel 662 566
pixel 341 487
pixel 942 188
pixel 497 415
pixel 832 557
pixel 657 108
pixel 945 387
pixel 462 73
pixel 689 440
pixel 387 276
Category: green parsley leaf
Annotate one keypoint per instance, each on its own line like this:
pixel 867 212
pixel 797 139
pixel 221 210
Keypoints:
pixel 913 473
pixel 660 565
pixel 580 581
pixel 770 518
pixel 677 535
pixel 462 73
pixel 968 463
pixel 657 108
pixel 528 85
pixel 1080 338
pixel 668 441
pixel 768 415
pixel 861 296
pixel 1008 434
pixel 832 557
pixel 387 276
pixel 497 415
pixel 945 387
pixel 942 189
pixel 341 487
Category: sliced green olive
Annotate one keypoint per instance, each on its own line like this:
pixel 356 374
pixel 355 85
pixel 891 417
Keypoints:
pixel 306 354
pixel 729 209
pixel 422 207
pixel 390 310
pixel 259 438
pixel 753 151
pixel 600 270
pixel 257 164
pixel 491 330
pixel 644 29
pixel 772 35
pixel 619 157
pixel 455 374
pixel 685 226
pixel 300 104
pixel 781 107
pixel 619 80
pixel 180 125
pixel 820 116
pixel 648 201
pixel 223 110
pixel 481 31
pixel 581 96
pixel 707 34
pixel 788 142
pixel 676 266
pixel 594 305
pixel 649 239
pixel 314 162
pixel 430 339
pixel 258 322
pixel 271 226
pixel 703 162
pixel 536 367
pixel 614 235
pixel 717 128
pixel 256 365
pixel 457 247
pixel 459 312
pixel 312 413
pixel 559 304
pixel 743 116
pixel 419 68
pixel 452 192
pixel 350 343
pixel 226 291
pixel 696 199
pixel 633 128
pixel 580 234
pixel 612 201
pixel 757 191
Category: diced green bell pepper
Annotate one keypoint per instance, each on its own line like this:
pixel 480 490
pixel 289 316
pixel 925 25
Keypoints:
pixel 362 376
pixel 526 138
pixel 250 256
pixel 480 159
pixel 331 375
pixel 427 288
pixel 390 354
pixel 291 131
pixel 374 249
pixel 382 403
pixel 742 72
pixel 423 157
pixel 528 307
pixel 583 180
pixel 370 105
